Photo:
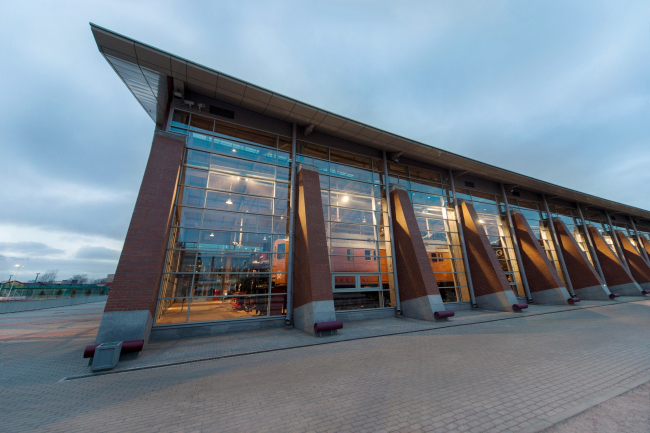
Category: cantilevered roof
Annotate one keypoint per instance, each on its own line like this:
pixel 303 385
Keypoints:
pixel 146 71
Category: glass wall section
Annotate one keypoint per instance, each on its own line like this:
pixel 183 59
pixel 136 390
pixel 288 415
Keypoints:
pixel 536 216
pixel 571 218
pixel 227 253
pixel 356 222
pixel 436 217
pixel 492 216
pixel 599 221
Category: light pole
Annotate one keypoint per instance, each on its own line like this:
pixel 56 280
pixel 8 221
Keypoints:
pixel 36 279
pixel 12 283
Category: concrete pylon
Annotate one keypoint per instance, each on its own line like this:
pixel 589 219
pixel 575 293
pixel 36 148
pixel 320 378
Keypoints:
pixel 491 287
pixel 418 289
pixel 587 284
pixel 617 277
pixel 544 282
pixel 312 293
pixel 638 267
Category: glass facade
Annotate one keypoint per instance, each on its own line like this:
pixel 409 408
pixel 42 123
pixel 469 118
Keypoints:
pixel 356 224
pixel 599 221
pixel 227 253
pixel 436 217
pixel 571 218
pixel 228 249
pixel 491 211
pixel 535 215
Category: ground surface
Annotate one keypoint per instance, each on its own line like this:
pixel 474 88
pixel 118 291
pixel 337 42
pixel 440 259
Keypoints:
pixel 521 374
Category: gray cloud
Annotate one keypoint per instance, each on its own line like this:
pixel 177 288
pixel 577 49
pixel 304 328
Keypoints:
pixel 97 253
pixel 553 90
pixel 29 249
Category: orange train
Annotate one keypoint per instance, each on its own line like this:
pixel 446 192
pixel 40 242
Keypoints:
pixel 360 260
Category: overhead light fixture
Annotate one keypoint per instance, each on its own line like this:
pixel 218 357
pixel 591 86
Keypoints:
pixel 228 201
pixel 234 150
pixel 264 238
pixel 212 234
pixel 480 221
pixel 345 198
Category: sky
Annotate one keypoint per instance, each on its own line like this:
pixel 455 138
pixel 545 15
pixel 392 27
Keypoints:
pixel 556 90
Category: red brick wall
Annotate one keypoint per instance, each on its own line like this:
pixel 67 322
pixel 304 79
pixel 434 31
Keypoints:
pixel 139 271
pixel 540 272
pixel 613 269
pixel 312 277
pixel 414 273
pixel 638 267
pixel 580 270
pixel 487 275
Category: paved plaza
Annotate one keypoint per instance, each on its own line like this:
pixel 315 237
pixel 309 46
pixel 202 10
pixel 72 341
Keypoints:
pixel 478 372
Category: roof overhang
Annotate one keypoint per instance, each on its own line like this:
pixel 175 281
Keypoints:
pixel 151 74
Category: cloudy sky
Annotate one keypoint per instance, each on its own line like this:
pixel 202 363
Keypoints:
pixel 553 89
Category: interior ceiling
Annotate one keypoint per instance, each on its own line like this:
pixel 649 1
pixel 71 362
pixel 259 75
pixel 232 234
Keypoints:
pixel 146 71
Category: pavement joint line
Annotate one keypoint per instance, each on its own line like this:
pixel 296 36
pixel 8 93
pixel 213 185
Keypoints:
pixel 234 355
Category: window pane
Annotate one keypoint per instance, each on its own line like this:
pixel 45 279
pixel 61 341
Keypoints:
pixel 233 262
pixel 241 203
pixel 199 141
pixel 244 150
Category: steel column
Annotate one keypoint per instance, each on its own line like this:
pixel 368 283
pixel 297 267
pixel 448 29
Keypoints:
pixel 459 226
pixel 292 222
pixel 638 241
pixel 513 236
pixel 590 245
pixel 617 244
pixel 558 249
pixel 392 237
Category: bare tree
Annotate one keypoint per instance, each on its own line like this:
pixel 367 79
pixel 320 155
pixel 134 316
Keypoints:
pixel 81 278
pixel 99 281
pixel 49 276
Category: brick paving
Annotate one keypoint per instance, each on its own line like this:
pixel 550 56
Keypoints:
pixel 523 374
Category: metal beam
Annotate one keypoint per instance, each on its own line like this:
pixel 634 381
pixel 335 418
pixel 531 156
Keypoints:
pixel 617 244
pixel 639 243
pixel 558 249
pixel 468 274
pixel 392 237
pixel 590 245
pixel 513 237
pixel 288 322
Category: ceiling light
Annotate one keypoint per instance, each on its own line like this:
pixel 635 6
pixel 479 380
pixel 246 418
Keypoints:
pixel 212 234
pixel 229 201
pixel 234 150
pixel 345 198
pixel 480 221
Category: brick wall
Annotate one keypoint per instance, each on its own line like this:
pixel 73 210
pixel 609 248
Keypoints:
pixel 312 276
pixel 580 270
pixel 540 272
pixel 414 273
pixel 487 275
pixel 638 267
pixel 613 270
pixel 140 268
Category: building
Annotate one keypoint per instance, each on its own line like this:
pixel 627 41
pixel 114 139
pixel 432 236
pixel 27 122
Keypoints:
pixel 257 210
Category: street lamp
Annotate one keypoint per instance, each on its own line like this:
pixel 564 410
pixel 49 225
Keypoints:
pixel 12 283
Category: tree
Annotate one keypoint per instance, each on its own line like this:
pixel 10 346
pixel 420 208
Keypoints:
pixel 49 276
pixel 81 278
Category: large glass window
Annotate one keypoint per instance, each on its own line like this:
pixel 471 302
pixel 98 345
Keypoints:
pixel 435 214
pixel 226 257
pixel 536 218
pixel 492 216
pixel 356 222
pixel 571 217
pixel 599 221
